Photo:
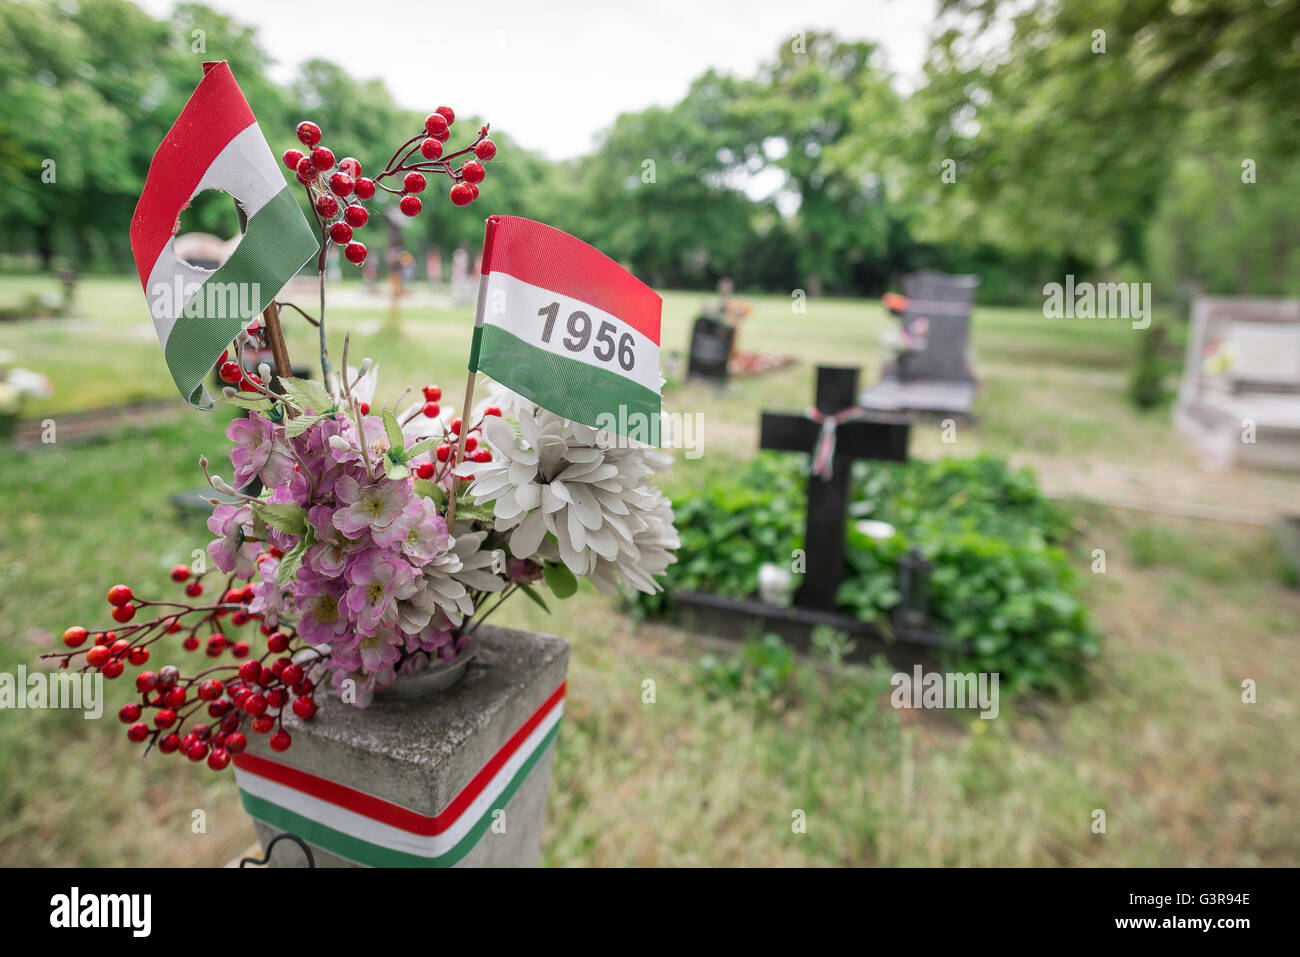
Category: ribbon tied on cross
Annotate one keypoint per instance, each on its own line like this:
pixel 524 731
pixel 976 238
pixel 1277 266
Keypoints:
pixel 823 457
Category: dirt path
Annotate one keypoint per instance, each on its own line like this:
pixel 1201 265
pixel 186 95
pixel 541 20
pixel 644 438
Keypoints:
pixel 1239 496
pixel 83 426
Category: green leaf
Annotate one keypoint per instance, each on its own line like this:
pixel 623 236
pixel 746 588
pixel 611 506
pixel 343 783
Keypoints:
pixel 287 517
pixel 251 401
pixel 396 441
pixel 560 580
pixel 297 426
pixel 419 447
pixel 293 558
pixel 306 394
pixel 532 593
pixel 395 470
pixel 430 489
pixel 467 511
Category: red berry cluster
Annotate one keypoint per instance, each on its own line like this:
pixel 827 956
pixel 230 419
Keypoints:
pixel 336 190
pixel 253 693
pixel 440 458
pixel 333 188
pixel 230 371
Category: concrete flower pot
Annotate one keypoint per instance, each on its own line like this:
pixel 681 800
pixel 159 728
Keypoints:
pixel 443 777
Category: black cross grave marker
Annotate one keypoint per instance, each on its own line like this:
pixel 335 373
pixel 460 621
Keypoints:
pixel 872 437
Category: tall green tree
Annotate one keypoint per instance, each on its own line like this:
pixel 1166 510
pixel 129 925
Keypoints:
pixel 1068 135
pixel 813 115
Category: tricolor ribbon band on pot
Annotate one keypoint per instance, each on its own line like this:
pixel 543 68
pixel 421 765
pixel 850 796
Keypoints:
pixel 370 830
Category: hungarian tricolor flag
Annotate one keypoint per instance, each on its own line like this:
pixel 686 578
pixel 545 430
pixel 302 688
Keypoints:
pixel 215 144
pixel 564 325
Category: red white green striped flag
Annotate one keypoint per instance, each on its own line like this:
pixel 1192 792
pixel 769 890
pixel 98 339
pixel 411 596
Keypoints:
pixel 215 144
pixel 367 829
pixel 564 325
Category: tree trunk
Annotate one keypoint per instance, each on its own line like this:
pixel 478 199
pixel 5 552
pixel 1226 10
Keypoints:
pixel 45 246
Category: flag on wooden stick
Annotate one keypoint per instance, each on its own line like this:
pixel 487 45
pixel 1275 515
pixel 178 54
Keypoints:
pixel 215 144
pixel 564 325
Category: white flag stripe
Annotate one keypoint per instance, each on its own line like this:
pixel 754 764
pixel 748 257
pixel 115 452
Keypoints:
pixel 160 292
pixel 375 832
pixel 513 305
pixel 247 170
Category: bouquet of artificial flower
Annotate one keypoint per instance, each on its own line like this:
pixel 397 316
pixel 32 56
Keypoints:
pixel 353 559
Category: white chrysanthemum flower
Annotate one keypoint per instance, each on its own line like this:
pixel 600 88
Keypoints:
pixel 565 478
pixel 447 581
pixel 476 561
pixel 655 541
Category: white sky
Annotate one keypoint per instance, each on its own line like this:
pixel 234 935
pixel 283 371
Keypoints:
pixel 553 73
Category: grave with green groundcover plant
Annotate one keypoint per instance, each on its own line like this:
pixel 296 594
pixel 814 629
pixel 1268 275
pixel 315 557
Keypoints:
pixel 1003 586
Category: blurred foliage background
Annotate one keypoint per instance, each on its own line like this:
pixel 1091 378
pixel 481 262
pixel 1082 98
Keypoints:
pixel 1104 138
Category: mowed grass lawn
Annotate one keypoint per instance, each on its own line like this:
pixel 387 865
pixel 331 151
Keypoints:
pixel 1186 772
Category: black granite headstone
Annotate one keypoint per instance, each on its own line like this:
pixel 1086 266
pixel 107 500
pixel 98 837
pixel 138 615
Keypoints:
pixel 711 341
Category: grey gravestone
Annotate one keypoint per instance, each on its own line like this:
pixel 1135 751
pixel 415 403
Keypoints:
pixel 711 341
pixel 937 378
pixel 1259 390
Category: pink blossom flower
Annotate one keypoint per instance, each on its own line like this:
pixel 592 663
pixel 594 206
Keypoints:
pixel 318 600
pixel 259 451
pixel 368 653
pixel 329 555
pixel 396 530
pixel 318 458
pixel 423 532
pixel 230 552
pixel 347 449
pixel 368 507
pixel 296 491
pixel 524 571
pixel 431 639
pixel 380 651
pixel 377 582
pixel 450 650
pixel 268 597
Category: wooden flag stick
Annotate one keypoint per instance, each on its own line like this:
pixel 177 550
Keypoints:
pixel 275 336
pixel 460 445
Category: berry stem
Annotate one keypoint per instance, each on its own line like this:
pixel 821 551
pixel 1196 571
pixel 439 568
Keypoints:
pixel 320 325
pixel 275 338
pixel 392 159
pixel 296 309
pixel 460 450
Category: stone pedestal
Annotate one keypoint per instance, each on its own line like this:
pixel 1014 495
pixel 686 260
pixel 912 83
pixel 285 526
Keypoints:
pixel 455 779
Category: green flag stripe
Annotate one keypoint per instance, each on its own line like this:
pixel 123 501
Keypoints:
pixel 375 855
pixel 567 387
pixel 474 346
pixel 275 245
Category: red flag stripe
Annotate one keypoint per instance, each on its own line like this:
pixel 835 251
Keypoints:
pixel 386 812
pixel 545 256
pixel 215 114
